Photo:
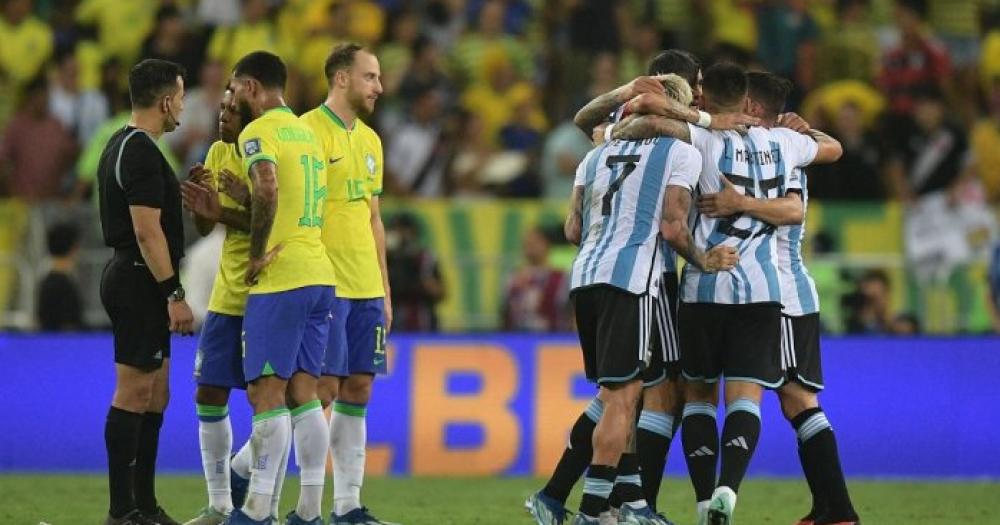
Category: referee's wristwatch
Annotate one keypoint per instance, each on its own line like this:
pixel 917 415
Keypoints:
pixel 176 295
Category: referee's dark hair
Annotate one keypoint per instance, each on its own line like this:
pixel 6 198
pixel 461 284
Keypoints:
pixel 726 83
pixel 342 57
pixel 677 61
pixel 150 79
pixel 266 68
pixel 769 90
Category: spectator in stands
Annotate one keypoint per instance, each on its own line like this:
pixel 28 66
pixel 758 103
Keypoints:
pixel 60 305
pixel 445 20
pixel 414 277
pixel 986 147
pixel 26 41
pixel 36 152
pixel 121 26
pixel 928 157
pixel 857 175
pixel 471 50
pixel 426 72
pixel 497 99
pixel 993 288
pixel 565 146
pixel 256 32
pixel 326 32
pixel 419 151
pixel 957 23
pixel 850 51
pixel 171 40
pixel 918 61
pixel 81 111
pixel 535 296
pixel 472 154
pixel 644 43
pixel 787 44
pixel 397 51
pixel 867 308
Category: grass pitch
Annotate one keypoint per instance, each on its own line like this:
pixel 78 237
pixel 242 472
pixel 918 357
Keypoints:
pixel 82 500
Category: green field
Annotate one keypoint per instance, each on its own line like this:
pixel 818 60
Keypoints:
pixel 82 500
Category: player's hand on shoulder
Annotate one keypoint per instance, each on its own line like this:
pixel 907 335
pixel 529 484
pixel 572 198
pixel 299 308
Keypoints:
pixel 793 122
pixel 721 258
pixel 738 122
pixel 181 317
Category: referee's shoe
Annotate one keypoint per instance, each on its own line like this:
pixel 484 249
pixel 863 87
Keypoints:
pixel 160 517
pixel 132 518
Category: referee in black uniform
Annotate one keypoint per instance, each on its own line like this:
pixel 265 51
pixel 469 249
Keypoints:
pixel 141 218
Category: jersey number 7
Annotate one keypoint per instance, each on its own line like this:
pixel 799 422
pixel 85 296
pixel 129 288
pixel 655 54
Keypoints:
pixel 630 163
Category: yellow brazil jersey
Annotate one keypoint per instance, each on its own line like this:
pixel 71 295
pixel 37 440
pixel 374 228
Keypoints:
pixel 24 48
pixel 229 291
pixel 354 171
pixel 280 137
pixel 122 25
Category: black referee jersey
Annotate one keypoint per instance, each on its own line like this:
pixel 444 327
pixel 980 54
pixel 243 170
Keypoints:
pixel 133 172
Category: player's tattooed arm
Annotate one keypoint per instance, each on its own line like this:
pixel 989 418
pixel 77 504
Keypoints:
pixel 829 150
pixel 574 221
pixel 674 228
pixel 238 219
pixel 263 206
pixel 597 110
pixel 635 127
pixel 650 104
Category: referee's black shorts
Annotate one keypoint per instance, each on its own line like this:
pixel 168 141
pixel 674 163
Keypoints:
pixel 614 328
pixel 138 312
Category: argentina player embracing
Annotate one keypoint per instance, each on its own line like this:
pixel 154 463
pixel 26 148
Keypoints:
pixel 730 323
pixel 616 211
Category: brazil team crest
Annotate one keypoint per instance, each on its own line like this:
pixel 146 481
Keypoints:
pixel 370 163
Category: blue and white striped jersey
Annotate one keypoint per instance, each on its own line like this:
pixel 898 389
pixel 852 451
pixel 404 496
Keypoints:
pixel 623 189
pixel 762 164
pixel 798 290
pixel 668 257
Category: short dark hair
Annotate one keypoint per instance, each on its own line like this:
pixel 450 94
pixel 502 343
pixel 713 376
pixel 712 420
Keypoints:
pixel 149 79
pixel 341 57
pixel 770 90
pixel 266 68
pixel 677 61
pixel 726 83
pixel 876 274
pixel 62 238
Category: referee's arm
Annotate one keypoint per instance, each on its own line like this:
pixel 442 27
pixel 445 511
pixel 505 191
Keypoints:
pixel 152 241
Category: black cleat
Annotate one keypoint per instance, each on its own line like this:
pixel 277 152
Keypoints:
pixel 132 518
pixel 160 517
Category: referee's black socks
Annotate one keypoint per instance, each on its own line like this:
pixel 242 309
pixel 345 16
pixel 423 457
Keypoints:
pixel 144 475
pixel 821 466
pixel 121 438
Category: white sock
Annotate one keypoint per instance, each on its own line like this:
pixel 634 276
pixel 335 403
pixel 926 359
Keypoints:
pixel 312 444
pixel 215 435
pixel 271 439
pixel 282 471
pixel 703 506
pixel 241 461
pixel 347 439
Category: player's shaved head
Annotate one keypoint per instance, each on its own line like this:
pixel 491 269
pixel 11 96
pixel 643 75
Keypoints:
pixel 725 84
pixel 676 61
pixel 769 90
pixel 266 68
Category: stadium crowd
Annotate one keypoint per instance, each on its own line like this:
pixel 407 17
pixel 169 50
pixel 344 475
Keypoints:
pixel 480 94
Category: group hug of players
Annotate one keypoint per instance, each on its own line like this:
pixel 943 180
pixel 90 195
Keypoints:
pixel 706 166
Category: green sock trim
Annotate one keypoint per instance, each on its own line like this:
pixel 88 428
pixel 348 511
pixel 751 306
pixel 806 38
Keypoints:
pixel 302 409
pixel 349 409
pixel 212 410
pixel 270 414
